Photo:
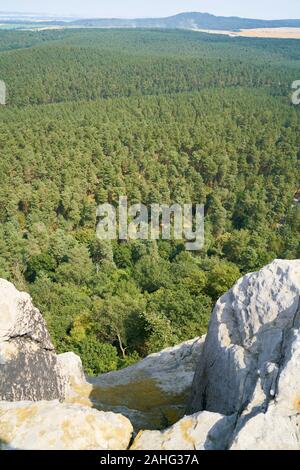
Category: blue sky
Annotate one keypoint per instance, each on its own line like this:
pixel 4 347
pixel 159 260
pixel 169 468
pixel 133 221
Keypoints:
pixel 268 9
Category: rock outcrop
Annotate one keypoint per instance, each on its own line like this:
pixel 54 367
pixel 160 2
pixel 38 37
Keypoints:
pixel 77 388
pixel 31 371
pixel 250 361
pixel 152 393
pixel 268 431
pixel 245 393
pixel 57 426
pixel 201 431
pixel 29 368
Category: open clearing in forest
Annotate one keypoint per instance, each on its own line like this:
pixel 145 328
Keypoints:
pixel 276 33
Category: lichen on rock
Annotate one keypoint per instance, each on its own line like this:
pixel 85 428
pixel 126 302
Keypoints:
pixel 153 392
pixel 56 426
pixel 245 393
pixel 201 431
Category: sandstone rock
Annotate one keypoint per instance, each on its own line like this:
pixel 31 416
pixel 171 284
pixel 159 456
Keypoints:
pixel 274 424
pixel 29 366
pixel 77 388
pixel 152 393
pixel 28 363
pixel 56 426
pixel 268 431
pixel 201 431
pixel 250 360
pixel 245 392
pixel 19 318
pixel 251 351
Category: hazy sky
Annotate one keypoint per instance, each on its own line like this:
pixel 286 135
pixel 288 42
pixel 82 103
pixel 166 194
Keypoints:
pixel 146 8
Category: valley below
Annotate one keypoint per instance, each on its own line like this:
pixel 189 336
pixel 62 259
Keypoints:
pixel 144 339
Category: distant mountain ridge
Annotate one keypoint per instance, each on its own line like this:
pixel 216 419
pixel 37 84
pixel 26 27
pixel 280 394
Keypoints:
pixel 190 21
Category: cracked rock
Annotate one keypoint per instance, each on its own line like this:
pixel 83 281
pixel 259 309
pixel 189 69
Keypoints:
pixel 29 366
pixel 250 360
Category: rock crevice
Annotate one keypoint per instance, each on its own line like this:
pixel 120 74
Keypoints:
pixel 248 372
pixel 242 379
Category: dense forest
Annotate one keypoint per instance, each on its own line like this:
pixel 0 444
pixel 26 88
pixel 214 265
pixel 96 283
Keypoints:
pixel 159 116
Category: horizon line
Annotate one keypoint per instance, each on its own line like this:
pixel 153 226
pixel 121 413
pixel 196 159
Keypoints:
pixel 87 17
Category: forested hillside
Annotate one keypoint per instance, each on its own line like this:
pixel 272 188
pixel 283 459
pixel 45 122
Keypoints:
pixel 160 117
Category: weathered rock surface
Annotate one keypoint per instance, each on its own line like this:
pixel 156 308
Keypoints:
pixel 250 361
pixel 268 431
pixel 56 426
pixel 29 366
pixel 245 392
pixel 152 393
pixel 28 363
pixel 201 431
pixel 77 388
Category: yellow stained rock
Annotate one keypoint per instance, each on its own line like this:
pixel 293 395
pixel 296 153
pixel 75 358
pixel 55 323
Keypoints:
pixel 57 426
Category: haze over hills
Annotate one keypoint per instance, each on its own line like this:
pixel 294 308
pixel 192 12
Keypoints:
pixel 191 20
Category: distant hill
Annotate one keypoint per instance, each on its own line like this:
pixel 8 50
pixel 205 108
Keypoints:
pixel 190 21
pixel 180 21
